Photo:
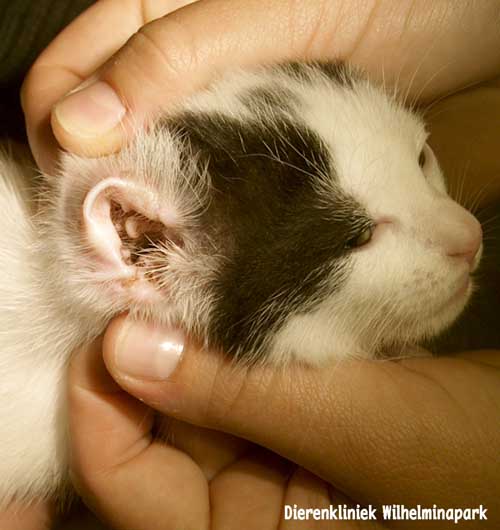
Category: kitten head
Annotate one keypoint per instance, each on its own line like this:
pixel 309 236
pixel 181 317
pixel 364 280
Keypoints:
pixel 294 211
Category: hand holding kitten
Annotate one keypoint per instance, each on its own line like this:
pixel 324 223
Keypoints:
pixel 187 66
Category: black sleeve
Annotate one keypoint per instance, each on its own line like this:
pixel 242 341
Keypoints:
pixel 26 28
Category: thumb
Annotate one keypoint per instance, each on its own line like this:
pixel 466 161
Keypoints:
pixel 176 54
pixel 282 409
pixel 351 423
pixel 179 53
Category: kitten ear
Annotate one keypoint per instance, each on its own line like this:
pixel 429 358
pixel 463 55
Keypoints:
pixel 121 222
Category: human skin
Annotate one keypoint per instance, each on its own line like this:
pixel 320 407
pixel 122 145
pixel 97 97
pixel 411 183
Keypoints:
pixel 416 431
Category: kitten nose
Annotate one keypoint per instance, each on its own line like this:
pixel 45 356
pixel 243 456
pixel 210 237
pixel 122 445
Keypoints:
pixel 465 238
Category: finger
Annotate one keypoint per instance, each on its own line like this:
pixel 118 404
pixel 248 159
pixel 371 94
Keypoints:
pixel 92 38
pixel 249 493
pixel 179 53
pixel 212 450
pixel 114 458
pixel 306 491
pixel 345 422
pixel 488 357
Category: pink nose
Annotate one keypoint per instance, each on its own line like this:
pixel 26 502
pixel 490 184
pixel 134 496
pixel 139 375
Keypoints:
pixel 468 252
pixel 461 234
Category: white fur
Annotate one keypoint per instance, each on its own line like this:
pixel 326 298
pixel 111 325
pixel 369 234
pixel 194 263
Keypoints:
pixel 35 340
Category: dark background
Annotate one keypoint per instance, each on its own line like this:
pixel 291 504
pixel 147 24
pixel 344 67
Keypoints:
pixel 26 28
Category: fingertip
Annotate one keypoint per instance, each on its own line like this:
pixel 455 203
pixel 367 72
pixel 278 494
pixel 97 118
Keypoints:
pixel 89 121
pixel 160 366
pixel 89 147
pixel 111 338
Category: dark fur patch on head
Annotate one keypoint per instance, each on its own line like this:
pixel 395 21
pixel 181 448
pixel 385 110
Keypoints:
pixel 270 99
pixel 297 70
pixel 282 237
pixel 335 71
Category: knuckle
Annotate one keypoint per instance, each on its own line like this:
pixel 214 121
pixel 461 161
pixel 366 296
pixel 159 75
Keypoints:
pixel 163 51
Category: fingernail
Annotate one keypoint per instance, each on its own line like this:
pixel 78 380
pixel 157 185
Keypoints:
pixel 147 352
pixel 91 111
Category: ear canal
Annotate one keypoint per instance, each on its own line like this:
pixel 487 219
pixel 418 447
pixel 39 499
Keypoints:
pixel 122 222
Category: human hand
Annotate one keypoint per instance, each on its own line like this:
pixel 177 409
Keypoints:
pixel 419 431
pixel 427 48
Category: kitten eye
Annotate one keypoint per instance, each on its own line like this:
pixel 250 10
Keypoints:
pixel 360 239
pixel 422 158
